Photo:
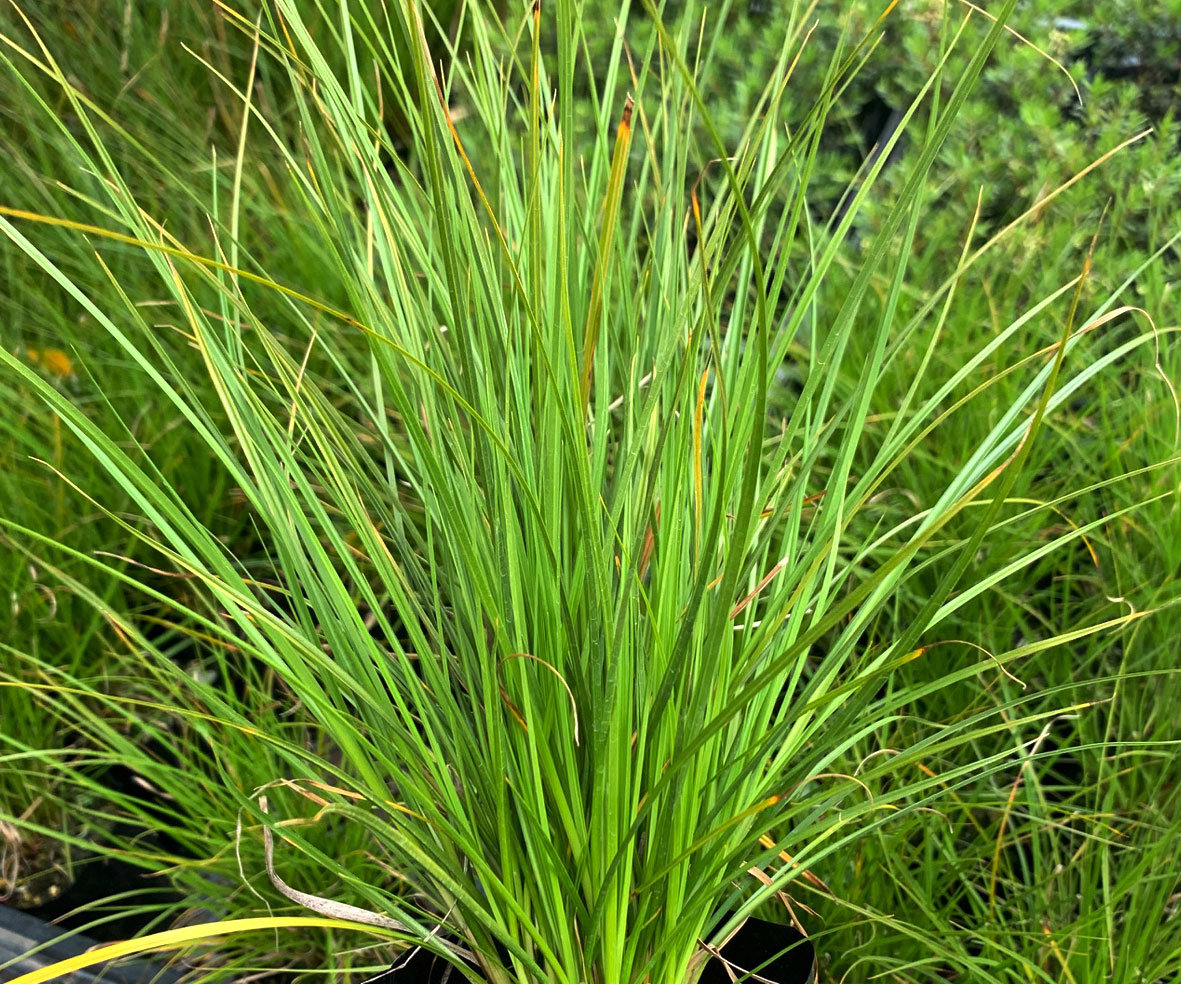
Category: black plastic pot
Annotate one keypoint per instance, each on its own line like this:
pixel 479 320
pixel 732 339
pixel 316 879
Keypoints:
pixel 772 951
pixel 775 952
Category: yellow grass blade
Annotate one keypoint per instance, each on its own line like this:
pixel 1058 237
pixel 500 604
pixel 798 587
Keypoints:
pixel 174 938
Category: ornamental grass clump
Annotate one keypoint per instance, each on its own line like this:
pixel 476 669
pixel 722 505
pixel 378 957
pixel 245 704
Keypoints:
pixel 587 624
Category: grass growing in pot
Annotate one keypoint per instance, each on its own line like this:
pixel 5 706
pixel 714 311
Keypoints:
pixel 590 625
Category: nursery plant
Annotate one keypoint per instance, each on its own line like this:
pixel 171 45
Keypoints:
pixel 564 466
